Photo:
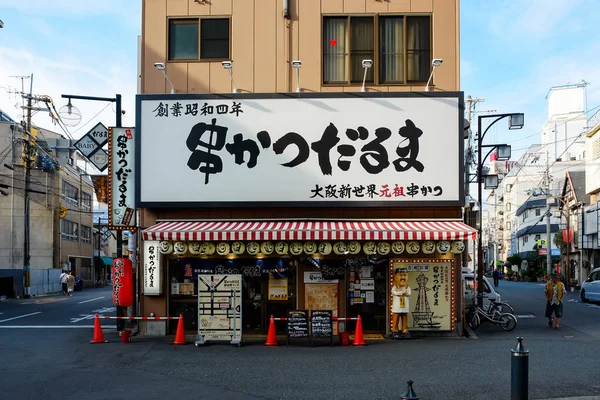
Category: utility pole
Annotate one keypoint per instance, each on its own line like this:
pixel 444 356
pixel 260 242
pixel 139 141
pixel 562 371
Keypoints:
pixel 26 222
pixel 495 230
pixel 548 216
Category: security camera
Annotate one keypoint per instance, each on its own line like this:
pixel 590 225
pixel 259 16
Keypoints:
pixel 296 64
pixel 437 62
pixel 226 64
pixel 159 66
pixel 367 63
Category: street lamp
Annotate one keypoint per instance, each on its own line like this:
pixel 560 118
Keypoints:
pixel 515 121
pixel 119 124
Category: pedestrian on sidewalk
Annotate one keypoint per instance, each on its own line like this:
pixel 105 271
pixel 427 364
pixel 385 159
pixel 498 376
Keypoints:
pixel 555 292
pixel 497 274
pixel 63 282
pixel 70 284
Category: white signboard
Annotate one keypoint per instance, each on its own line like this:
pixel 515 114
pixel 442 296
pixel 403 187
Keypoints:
pixel 121 175
pixel 317 277
pixel 86 145
pixel 99 133
pixel 344 150
pixel 219 308
pixel 100 160
pixel 152 268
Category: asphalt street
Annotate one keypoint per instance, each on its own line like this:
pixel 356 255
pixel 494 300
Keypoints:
pixel 46 354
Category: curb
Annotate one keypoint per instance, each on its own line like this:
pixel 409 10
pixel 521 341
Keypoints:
pixel 471 332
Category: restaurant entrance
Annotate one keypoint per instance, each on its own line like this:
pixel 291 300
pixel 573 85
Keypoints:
pixel 367 296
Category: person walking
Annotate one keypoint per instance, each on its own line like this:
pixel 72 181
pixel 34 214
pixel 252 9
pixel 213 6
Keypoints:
pixel 63 281
pixel 496 274
pixel 555 292
pixel 70 284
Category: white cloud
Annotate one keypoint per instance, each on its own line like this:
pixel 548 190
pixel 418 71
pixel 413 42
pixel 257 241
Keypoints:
pixel 71 7
pixel 103 78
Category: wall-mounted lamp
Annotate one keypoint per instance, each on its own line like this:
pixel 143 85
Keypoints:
pixel 366 65
pixel 227 65
pixel 435 63
pixel 297 64
pixel 286 9
pixel 161 67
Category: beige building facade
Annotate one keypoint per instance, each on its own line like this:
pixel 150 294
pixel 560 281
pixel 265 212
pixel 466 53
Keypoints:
pixel 329 37
pixel 252 47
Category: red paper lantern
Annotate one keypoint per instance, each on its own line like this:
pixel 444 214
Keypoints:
pixel 122 272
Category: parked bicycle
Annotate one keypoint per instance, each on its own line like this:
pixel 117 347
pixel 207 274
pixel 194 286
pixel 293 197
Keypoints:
pixel 477 315
pixel 502 306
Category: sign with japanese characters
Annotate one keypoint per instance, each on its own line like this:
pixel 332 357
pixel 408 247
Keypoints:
pixel 431 303
pixel 220 307
pixel 152 270
pixel 341 149
pixel 121 173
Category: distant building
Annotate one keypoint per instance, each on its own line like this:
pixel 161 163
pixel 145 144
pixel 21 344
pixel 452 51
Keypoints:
pixel 60 212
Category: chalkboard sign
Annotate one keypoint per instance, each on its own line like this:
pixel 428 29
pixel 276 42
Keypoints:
pixel 297 324
pixel 321 324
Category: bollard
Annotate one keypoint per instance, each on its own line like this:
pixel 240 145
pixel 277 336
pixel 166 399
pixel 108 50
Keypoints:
pixel 410 393
pixel 519 372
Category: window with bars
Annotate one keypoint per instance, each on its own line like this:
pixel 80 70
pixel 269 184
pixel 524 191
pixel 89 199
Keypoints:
pixel 70 194
pixel 69 230
pixel 193 39
pixel 400 47
pixel 86 234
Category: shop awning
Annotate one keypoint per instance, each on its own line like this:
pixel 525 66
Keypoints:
pixel 309 230
pixel 106 261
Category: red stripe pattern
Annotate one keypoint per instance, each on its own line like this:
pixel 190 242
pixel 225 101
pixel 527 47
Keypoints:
pixel 309 230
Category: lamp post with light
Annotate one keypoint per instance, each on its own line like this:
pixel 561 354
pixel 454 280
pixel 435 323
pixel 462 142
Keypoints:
pixel 515 121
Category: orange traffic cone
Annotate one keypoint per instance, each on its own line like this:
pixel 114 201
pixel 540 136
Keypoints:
pixel 98 335
pixel 179 335
pixel 272 336
pixel 359 339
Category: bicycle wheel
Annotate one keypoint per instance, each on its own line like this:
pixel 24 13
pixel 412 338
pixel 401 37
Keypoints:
pixel 508 322
pixel 506 308
pixel 475 321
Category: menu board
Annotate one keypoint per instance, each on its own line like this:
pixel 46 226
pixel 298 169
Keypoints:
pixel 321 324
pixel 297 324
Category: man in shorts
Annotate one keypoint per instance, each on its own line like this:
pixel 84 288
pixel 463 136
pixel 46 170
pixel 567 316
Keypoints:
pixel 555 292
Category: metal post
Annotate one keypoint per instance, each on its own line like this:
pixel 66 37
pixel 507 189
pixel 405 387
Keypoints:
pixel 120 310
pixel 410 393
pixel 26 215
pixel 519 372
pixel 495 228
pixel 480 202
pixel 568 249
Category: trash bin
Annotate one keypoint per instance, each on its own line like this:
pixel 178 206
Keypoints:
pixel 78 284
pixel 344 338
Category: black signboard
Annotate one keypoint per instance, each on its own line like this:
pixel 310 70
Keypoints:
pixel 297 324
pixel 321 323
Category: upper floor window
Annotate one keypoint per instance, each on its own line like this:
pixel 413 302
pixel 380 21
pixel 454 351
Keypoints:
pixel 69 230
pixel 194 39
pixel 401 50
pixel 70 194
pixel 86 201
pixel 537 212
pixel 86 234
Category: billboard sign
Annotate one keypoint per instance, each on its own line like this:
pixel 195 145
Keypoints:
pixel 342 149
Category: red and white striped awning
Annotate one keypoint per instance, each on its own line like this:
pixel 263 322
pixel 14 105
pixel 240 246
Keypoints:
pixel 309 230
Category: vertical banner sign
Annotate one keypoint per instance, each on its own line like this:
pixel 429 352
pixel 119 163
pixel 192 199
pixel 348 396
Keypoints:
pixel 121 175
pixel 122 272
pixel 152 270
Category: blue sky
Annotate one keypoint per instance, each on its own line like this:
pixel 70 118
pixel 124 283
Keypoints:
pixel 512 52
